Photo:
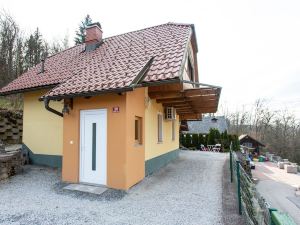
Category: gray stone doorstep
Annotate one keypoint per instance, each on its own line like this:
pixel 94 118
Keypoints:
pixel 85 188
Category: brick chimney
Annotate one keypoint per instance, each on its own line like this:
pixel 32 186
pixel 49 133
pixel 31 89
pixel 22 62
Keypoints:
pixel 93 36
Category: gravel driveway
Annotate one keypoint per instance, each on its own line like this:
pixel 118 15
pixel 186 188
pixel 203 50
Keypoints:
pixel 187 191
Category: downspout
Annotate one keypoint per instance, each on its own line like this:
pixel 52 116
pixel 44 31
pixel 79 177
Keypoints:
pixel 46 102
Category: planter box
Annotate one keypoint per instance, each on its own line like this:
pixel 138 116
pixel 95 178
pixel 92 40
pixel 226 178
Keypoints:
pixel 281 164
pixel 291 169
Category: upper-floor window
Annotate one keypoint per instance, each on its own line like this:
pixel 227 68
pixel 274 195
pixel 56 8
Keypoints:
pixel 190 71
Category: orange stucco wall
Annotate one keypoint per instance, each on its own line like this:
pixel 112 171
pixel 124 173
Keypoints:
pixel 135 106
pixel 125 159
pixel 116 139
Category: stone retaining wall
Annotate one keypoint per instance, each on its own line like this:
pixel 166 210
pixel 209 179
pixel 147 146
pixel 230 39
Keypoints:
pixel 11 126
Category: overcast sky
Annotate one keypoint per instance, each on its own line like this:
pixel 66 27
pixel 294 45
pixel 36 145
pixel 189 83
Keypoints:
pixel 249 47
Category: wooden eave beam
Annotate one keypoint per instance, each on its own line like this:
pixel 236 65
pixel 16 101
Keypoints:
pixel 185 99
pixel 192 116
pixel 201 91
pixel 184 108
pixel 172 100
pixel 181 94
pixel 164 95
pixel 200 104
pixel 203 110
pixel 175 104
pixel 193 103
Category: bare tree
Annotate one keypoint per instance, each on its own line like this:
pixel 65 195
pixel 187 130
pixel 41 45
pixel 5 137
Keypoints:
pixel 9 34
pixel 279 130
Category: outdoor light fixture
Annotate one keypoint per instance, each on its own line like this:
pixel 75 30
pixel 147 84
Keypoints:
pixel 68 105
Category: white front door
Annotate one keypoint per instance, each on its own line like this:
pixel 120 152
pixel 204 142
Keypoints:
pixel 93 146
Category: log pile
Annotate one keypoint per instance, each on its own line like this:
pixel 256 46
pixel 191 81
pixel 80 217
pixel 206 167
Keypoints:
pixel 11 162
pixel 11 126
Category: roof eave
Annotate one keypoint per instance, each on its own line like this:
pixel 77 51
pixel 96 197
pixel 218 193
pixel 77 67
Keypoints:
pixel 88 94
pixel 20 91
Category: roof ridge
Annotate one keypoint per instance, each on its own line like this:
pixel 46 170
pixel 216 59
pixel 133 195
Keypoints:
pixel 168 23
pixel 180 24
pixel 164 24
pixel 63 51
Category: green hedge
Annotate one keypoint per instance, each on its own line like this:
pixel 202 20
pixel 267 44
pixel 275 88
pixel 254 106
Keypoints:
pixel 214 137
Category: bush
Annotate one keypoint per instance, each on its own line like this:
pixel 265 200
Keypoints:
pixel 224 140
pixel 214 136
pixel 234 142
pixel 195 140
pixel 188 140
pixel 182 139
pixel 201 140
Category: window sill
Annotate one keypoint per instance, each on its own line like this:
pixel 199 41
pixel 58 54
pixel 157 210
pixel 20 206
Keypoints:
pixel 160 142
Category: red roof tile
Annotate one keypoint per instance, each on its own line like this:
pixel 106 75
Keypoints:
pixel 115 64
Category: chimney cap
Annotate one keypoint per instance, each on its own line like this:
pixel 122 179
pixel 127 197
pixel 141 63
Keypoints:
pixel 97 24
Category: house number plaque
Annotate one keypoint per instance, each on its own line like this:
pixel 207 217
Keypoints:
pixel 116 109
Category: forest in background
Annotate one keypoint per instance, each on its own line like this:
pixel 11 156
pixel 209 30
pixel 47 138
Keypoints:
pixel 279 130
pixel 19 52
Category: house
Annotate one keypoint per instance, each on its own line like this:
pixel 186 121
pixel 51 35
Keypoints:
pixel 207 123
pixel 107 111
pixel 251 143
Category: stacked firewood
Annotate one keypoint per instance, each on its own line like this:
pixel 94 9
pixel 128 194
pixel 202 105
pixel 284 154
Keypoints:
pixel 11 162
pixel 11 126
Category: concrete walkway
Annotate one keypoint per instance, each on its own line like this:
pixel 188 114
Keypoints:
pixel 187 191
pixel 278 188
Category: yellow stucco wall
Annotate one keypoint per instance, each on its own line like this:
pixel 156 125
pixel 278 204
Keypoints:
pixel 152 147
pixel 42 130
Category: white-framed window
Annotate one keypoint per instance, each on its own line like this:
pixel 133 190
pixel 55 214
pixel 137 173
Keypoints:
pixel 159 127
pixel 173 130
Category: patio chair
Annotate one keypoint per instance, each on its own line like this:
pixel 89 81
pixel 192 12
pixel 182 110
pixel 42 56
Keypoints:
pixel 203 148
pixel 217 148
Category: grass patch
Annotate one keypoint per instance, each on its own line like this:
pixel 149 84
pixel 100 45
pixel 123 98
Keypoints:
pixel 13 102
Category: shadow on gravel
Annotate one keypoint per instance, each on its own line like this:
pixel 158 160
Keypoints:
pixel 229 199
pixel 108 195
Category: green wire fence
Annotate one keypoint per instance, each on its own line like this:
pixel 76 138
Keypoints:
pixel 252 206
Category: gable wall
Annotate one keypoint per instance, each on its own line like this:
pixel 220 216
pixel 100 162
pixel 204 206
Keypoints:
pixel 42 130
pixel 193 58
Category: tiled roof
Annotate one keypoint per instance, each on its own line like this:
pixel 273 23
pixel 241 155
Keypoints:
pixel 115 64
pixel 203 127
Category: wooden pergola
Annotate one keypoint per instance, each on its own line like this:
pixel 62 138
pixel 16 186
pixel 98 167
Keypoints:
pixel 189 103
